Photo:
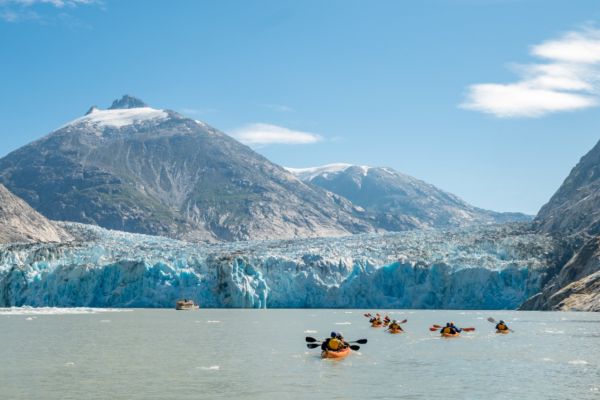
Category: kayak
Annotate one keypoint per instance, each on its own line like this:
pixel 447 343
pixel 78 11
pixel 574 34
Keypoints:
pixel 503 332
pixel 376 325
pixel 394 331
pixel 335 354
pixel 450 335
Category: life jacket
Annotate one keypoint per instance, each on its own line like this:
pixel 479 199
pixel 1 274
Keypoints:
pixel 446 329
pixel 334 344
pixel 501 327
pixel 395 326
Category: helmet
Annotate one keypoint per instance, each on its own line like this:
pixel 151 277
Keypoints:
pixel 448 323
pixel 339 335
pixel 333 334
pixel 393 321
pixel 501 321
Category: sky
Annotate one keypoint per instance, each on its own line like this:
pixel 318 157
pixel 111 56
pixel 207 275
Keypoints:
pixel 494 101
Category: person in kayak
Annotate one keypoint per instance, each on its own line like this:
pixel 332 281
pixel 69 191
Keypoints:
pixel 501 326
pixel 376 321
pixel 340 337
pixel 332 343
pixel 450 328
pixel 395 326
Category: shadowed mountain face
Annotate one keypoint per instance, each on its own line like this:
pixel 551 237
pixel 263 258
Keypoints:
pixel 397 201
pixel 575 207
pixel 573 214
pixel 143 170
pixel 19 223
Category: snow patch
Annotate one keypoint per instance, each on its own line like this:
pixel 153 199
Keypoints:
pixel 119 118
pixel 308 174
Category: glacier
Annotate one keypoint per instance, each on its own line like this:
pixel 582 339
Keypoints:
pixel 486 267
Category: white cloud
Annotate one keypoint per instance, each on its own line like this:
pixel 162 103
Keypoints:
pixel 262 134
pixel 278 107
pixel 567 81
pixel 23 10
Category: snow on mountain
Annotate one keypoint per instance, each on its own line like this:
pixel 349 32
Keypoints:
pixel 308 174
pixel 119 118
pixel 490 267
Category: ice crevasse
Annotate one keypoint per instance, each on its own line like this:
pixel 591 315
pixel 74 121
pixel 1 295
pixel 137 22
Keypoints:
pixel 489 267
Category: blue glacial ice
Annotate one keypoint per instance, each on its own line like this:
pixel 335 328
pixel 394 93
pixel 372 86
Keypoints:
pixel 489 267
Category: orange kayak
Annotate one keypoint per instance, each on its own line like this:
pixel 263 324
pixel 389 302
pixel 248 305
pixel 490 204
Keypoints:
pixel 503 332
pixel 450 335
pixel 335 354
pixel 394 331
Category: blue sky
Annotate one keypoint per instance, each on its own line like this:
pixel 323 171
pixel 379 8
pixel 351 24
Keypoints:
pixel 494 101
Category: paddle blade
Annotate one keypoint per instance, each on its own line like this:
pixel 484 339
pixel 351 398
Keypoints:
pixel 311 339
pixel 468 329
pixel 355 347
pixel 492 320
pixel 312 345
pixel 361 341
pixel 436 326
pixel 433 329
pixel 368 315
pixel 403 321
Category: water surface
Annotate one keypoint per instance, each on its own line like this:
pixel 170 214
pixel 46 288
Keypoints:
pixel 260 354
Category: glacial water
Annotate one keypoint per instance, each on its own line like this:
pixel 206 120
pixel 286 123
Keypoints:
pixel 261 354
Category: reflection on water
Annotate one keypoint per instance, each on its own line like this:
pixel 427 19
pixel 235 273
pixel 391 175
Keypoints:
pixel 261 354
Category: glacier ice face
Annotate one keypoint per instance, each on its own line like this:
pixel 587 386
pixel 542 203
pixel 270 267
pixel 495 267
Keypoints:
pixel 478 268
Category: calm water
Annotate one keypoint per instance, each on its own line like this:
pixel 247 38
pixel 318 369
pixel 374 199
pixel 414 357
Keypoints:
pixel 260 354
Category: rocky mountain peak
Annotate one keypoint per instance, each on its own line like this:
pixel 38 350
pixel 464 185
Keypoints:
pixel 126 102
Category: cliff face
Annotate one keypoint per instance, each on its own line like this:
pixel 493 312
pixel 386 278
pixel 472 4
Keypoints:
pixel 573 213
pixel 19 223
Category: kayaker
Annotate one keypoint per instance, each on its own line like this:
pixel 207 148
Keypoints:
pixel 340 337
pixel 395 326
pixel 332 343
pixel 501 326
pixel 450 328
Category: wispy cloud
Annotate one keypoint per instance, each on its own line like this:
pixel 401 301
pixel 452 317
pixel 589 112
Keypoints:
pixel 31 10
pixel 260 134
pixel 566 80
pixel 277 107
pixel 199 111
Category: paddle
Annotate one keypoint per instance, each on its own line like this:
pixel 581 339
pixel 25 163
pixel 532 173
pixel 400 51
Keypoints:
pixel 493 321
pixel 313 340
pixel 401 322
pixel 315 345
pixel 436 327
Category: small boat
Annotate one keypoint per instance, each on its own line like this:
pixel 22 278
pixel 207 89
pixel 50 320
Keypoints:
pixel 506 331
pixel 186 304
pixel 450 335
pixel 376 325
pixel 395 331
pixel 335 354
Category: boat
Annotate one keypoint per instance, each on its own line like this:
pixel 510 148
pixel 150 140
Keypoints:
pixel 335 354
pixel 450 335
pixel 395 331
pixel 503 332
pixel 376 325
pixel 186 304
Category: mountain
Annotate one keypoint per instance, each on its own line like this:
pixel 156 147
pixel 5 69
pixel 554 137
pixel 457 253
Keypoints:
pixel 145 170
pixel 397 201
pixel 575 207
pixel 573 214
pixel 19 223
